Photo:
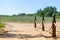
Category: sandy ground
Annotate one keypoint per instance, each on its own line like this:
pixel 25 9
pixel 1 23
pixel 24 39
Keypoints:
pixel 26 31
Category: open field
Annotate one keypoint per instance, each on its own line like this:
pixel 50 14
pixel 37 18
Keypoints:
pixel 25 19
pixel 22 28
pixel 26 31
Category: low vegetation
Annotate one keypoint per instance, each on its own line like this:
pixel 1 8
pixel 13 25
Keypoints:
pixel 58 17
pixel 2 25
pixel 23 17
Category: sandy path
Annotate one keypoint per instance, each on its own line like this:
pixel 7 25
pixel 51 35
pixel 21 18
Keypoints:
pixel 26 31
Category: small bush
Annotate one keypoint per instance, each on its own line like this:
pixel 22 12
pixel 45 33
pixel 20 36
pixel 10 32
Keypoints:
pixel 1 25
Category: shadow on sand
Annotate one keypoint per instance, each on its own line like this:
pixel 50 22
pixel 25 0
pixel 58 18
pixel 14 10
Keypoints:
pixel 9 35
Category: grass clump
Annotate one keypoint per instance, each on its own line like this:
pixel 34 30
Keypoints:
pixel 2 25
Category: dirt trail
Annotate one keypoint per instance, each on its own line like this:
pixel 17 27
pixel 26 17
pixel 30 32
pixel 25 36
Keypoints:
pixel 26 31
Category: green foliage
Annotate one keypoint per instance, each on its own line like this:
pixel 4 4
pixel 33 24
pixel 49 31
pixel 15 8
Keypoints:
pixel 39 13
pixel 48 11
pixel 23 17
pixel 30 14
pixel 58 14
pixel 58 17
pixel 21 14
pixel 1 25
pixel 14 15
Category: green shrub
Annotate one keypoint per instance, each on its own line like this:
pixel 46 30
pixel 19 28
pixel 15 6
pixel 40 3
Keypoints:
pixel 1 25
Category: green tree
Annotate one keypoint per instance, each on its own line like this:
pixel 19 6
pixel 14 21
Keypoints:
pixel 21 14
pixel 48 11
pixel 40 13
pixel 14 15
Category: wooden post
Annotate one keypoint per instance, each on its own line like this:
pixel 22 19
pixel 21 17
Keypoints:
pixel 35 21
pixel 53 26
pixel 43 23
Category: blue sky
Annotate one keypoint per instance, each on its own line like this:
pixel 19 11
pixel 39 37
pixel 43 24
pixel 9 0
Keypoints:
pixel 10 7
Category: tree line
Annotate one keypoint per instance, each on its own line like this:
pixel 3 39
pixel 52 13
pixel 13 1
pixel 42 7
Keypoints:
pixel 48 11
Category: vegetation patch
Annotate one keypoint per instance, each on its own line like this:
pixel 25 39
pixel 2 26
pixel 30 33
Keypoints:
pixel 58 17
pixel 2 25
